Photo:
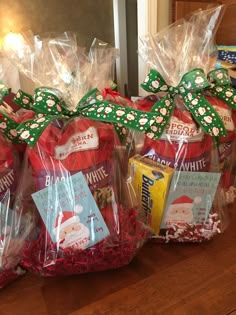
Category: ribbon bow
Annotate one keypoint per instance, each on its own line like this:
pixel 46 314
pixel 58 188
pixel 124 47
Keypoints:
pixel 221 86
pixel 49 105
pixel 190 89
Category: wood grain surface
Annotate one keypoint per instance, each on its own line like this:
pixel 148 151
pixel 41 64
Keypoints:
pixel 178 279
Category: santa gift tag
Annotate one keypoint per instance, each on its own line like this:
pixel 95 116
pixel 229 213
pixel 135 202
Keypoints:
pixel 190 198
pixel 70 213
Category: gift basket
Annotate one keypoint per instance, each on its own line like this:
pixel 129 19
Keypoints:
pixel 15 226
pixel 178 175
pixel 88 217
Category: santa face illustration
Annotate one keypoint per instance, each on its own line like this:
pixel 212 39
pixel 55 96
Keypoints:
pixel 42 119
pixel 229 93
pixel 33 126
pixel 100 109
pixel 219 89
pixel 130 116
pixel 182 89
pixel 99 97
pixel 13 132
pixel 163 111
pixel 120 113
pixel 215 131
pixel 179 214
pixel 3 125
pixel 150 135
pixel 25 100
pixel 194 102
pixel 208 119
pixel 74 235
pixel 25 134
pixel 167 103
pixel 201 110
pixel 219 75
pixel 39 98
pixel 69 229
pixel 91 100
pixel 155 84
pixel 108 109
pixel 142 121
pixel 91 109
pixel 154 128
pixel 199 81
pixel 180 211
pixel 159 119
pixel 164 88
pixel 50 103
pixel 190 96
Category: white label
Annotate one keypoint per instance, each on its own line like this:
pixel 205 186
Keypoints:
pixel 80 141
pixel 177 129
pixel 226 116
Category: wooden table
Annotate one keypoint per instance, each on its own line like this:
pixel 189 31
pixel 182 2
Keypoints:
pixel 163 279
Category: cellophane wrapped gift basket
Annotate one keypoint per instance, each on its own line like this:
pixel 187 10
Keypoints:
pixel 74 177
pixel 15 224
pixel 182 174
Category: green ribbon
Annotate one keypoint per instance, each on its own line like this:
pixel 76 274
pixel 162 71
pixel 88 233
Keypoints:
pixel 190 89
pixel 221 86
pixel 49 105
pixel 8 125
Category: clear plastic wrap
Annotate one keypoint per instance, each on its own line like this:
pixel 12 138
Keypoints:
pixel 58 62
pixel 15 225
pixel 84 224
pixel 75 175
pixel 178 172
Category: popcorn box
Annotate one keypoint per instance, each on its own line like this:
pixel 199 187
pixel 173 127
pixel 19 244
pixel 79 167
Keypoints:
pixel 151 181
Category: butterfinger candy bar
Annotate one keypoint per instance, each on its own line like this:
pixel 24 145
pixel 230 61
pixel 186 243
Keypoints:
pixel 151 181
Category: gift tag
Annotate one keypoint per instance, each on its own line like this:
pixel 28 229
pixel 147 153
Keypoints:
pixel 190 198
pixel 70 213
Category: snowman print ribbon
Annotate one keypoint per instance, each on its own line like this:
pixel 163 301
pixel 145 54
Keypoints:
pixel 190 89
pixel 221 86
pixel 49 105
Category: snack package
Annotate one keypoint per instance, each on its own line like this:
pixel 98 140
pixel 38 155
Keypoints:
pixel 226 147
pixel 188 130
pixel 75 170
pixel 15 226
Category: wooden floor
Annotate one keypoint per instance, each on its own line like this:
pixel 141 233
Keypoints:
pixel 163 279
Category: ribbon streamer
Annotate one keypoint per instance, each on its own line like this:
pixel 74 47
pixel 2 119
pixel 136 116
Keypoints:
pixel 190 89
pixel 221 86
pixel 8 125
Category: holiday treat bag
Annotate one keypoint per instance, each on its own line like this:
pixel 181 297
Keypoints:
pixel 178 173
pixel 15 225
pixel 72 177
pixel 222 96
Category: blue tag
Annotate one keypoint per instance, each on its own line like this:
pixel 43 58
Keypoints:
pixel 190 198
pixel 70 213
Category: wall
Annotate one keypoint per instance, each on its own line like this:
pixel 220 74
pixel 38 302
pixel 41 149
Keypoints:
pixel 90 17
